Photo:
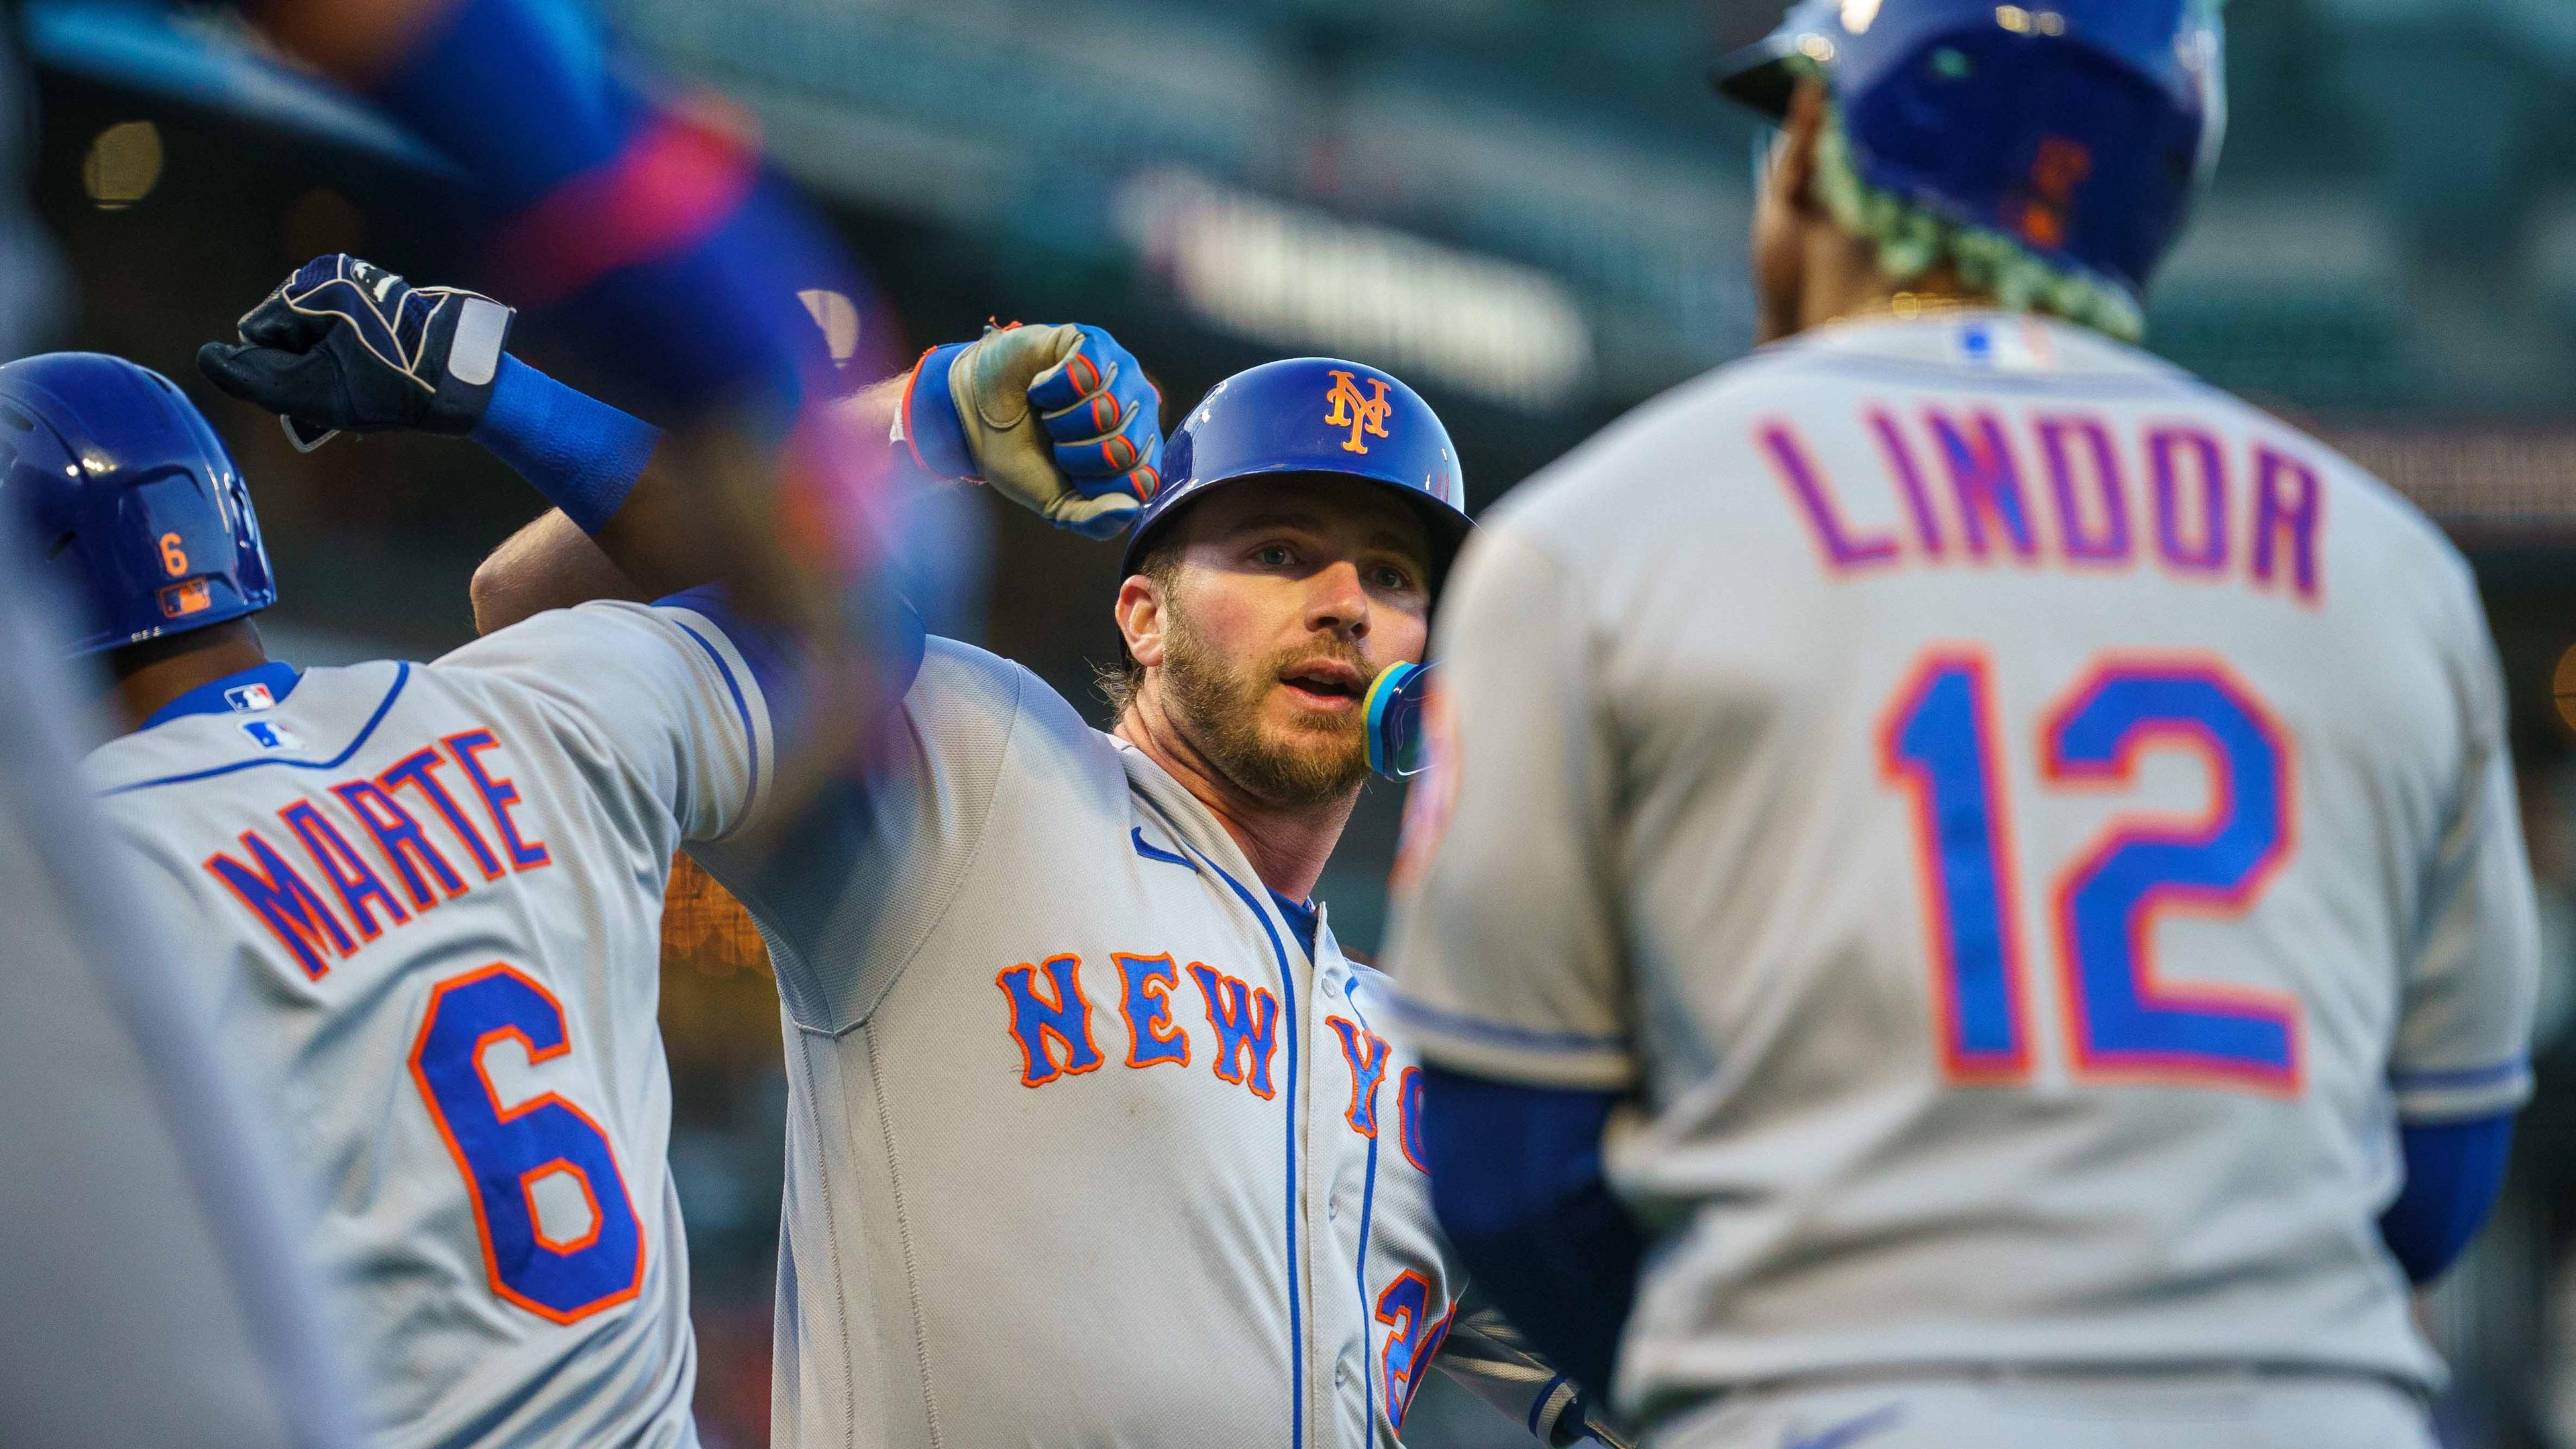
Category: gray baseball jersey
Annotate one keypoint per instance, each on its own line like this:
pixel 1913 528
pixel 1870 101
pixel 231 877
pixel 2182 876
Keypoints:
pixel 1088 1143
pixel 2026 825
pixel 155 1295
pixel 431 898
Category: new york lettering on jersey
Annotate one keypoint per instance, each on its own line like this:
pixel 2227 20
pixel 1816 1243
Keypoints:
pixel 2011 737
pixel 436 891
pixel 1050 1018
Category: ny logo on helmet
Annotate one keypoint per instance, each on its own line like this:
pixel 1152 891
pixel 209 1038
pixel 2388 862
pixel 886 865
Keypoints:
pixel 1362 415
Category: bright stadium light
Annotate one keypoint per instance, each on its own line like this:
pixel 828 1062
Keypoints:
pixel 123 165
pixel 1297 277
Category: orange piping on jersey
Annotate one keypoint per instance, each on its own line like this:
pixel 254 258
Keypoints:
pixel 2206 996
pixel 341 865
pixel 1985 482
pixel 279 883
pixel 2304 521
pixel 1035 1020
pixel 2206 558
pixel 500 796
pixel 419 770
pixel 1145 1000
pixel 465 1166
pixel 1837 547
pixel 2008 1068
pixel 405 846
pixel 2114 547
pixel 528 1191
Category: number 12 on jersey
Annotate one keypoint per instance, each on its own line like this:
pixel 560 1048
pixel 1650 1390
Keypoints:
pixel 1940 744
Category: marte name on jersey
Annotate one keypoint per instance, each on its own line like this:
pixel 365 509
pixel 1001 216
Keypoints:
pixel 265 879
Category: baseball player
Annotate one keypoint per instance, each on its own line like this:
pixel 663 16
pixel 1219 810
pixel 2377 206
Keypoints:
pixel 146 1252
pixel 2017 847
pixel 1096 1136
pixel 436 888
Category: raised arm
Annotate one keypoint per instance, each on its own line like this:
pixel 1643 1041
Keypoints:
pixel 555 563
pixel 550 564
pixel 1062 420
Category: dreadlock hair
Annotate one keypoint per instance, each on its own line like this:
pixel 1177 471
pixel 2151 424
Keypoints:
pixel 1912 240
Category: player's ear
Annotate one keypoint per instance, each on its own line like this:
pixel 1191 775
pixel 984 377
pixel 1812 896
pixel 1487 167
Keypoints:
pixel 1793 157
pixel 1140 618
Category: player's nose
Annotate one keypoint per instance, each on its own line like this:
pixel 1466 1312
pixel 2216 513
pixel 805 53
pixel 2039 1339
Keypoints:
pixel 1337 602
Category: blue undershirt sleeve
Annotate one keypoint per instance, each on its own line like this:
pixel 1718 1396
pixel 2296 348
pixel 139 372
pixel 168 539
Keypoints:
pixel 1516 1179
pixel 2453 1172
pixel 582 454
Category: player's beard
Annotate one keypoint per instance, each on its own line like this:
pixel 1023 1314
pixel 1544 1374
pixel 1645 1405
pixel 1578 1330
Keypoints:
pixel 1219 709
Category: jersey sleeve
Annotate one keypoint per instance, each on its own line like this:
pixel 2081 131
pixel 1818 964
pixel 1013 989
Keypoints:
pixel 680 693
pixel 847 886
pixel 2463 1038
pixel 1505 950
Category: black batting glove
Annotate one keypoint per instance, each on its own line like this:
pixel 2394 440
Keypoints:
pixel 346 346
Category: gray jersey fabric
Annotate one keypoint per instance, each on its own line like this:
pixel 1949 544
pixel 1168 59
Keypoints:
pixel 2026 825
pixel 1083 1149
pixel 145 1252
pixel 466 993
pixel 2207 1410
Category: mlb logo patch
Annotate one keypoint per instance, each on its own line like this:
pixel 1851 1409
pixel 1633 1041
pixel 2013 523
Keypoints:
pixel 270 736
pixel 180 600
pixel 248 697
pixel 2017 345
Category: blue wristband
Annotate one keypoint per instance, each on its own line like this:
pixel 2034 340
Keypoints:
pixel 578 451
pixel 930 416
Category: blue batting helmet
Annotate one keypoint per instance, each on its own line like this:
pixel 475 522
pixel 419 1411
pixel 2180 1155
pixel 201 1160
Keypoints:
pixel 1312 415
pixel 117 476
pixel 2082 129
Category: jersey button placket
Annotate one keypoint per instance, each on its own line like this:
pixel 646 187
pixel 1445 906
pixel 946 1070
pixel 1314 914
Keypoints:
pixel 1334 1230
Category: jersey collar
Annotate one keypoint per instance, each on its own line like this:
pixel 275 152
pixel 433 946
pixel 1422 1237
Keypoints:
pixel 1977 338
pixel 1302 917
pixel 262 686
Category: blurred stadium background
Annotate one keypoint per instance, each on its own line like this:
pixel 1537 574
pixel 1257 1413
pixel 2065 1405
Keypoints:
pixel 1534 211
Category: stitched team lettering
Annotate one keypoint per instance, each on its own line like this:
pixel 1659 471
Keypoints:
pixel 1973 486
pixel 1057 1029
pixel 403 813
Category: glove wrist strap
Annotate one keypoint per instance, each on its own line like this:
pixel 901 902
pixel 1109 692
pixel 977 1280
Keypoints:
pixel 928 424
pixel 582 454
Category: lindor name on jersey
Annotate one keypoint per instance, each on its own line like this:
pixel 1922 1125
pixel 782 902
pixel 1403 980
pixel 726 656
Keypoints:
pixel 2062 485
pixel 266 879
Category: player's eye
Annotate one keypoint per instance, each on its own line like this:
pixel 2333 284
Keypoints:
pixel 1391 578
pixel 1273 555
